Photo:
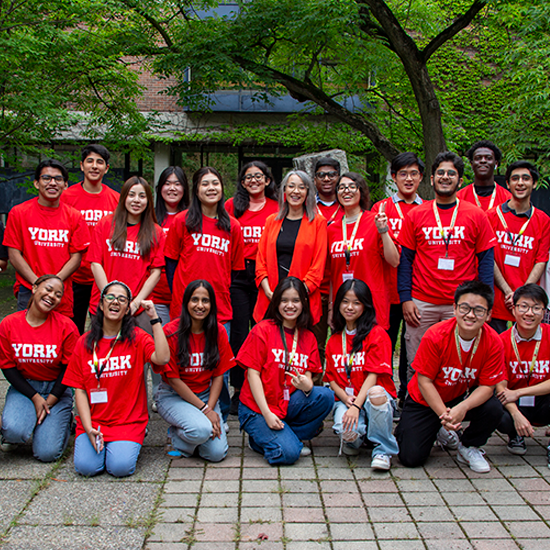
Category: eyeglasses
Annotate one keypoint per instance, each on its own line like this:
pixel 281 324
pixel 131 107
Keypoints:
pixel 57 179
pixel 521 177
pixel 524 308
pixel 258 176
pixel 450 173
pixel 404 174
pixel 465 308
pixel 120 299
pixel 323 175
pixel 293 187
pixel 347 187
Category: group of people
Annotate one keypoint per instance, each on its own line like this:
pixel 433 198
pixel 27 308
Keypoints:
pixel 210 294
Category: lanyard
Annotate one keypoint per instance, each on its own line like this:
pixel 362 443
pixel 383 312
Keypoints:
pixel 348 363
pixel 98 370
pixel 447 239
pixel 333 215
pixel 459 352
pixel 533 360
pixel 505 225
pixel 289 359
pixel 348 244
pixel 399 211
pixel 493 196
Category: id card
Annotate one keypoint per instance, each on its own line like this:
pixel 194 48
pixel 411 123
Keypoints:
pixel 286 394
pixel 446 264
pixel 98 395
pixel 527 401
pixel 347 276
pixel 350 391
pixel 512 260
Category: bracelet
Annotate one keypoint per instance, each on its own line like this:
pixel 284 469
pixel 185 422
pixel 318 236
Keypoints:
pixel 205 409
pixel 356 406
pixel 155 321
pixel 383 230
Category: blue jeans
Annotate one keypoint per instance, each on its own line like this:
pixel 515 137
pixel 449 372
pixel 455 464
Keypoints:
pixel 23 296
pixel 50 438
pixel 225 398
pixel 189 428
pixel 119 458
pixel 376 421
pixel 303 419
pixel 163 312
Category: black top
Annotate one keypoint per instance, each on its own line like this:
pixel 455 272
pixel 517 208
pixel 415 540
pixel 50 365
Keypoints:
pixel 3 249
pixel 285 245
pixel 484 190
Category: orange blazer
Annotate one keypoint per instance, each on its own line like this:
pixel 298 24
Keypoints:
pixel 308 261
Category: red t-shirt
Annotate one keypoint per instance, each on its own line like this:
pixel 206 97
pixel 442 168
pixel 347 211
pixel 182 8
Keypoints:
pixel 162 293
pixel 263 351
pixel 124 417
pixel 47 237
pixel 210 255
pixel 93 207
pixel 531 247
pixel 438 360
pixel 195 375
pixel 395 222
pixel 252 225
pixel 367 262
pixel 332 213
pixel 375 356
pixel 37 352
pixel 517 374
pixel 467 194
pixel 129 266
pixel 472 234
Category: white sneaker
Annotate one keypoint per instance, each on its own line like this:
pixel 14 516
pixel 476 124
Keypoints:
pixel 8 447
pixel 381 462
pixel 306 451
pixel 448 439
pixel 154 407
pixel 349 450
pixel 473 456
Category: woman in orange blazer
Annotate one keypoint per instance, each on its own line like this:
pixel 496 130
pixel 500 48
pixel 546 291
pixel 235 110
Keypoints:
pixel 294 243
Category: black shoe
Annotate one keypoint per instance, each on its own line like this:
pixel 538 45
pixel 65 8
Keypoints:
pixel 234 407
pixel 516 445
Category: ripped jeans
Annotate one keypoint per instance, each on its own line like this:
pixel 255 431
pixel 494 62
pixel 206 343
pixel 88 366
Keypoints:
pixel 376 421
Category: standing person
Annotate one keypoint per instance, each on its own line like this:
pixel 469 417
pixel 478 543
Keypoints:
pixel 525 390
pixel 192 382
pixel 255 200
pixel 280 407
pixel 44 235
pixel 35 348
pixel 523 241
pixel 444 242
pixel 128 246
pixel 293 244
pixel 457 366
pixel 359 369
pixel 484 192
pixel 93 200
pixel 110 397
pixel 407 171
pixel 361 245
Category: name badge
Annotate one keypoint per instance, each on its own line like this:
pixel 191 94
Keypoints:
pixel 527 401
pixel 98 395
pixel 286 394
pixel 347 276
pixel 446 264
pixel 512 260
pixel 350 391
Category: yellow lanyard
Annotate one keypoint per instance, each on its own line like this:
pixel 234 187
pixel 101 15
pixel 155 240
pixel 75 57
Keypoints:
pixel 349 244
pixel 447 239
pixel 333 215
pixel 493 196
pixel 349 362
pixel 289 359
pixel 516 351
pixel 99 371
pixel 459 349
pixel 505 225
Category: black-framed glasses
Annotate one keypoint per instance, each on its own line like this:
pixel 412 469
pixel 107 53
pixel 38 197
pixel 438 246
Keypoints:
pixel 347 187
pixel 258 176
pixel 323 175
pixel 524 308
pixel 521 177
pixel 122 300
pixel 47 178
pixel 451 173
pixel 479 311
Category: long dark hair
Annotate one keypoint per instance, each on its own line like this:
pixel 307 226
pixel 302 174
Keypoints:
pixel 366 322
pixel 364 201
pixel 160 208
pixel 241 200
pixel 147 235
pixel 193 220
pixel 127 330
pixel 304 319
pixel 211 355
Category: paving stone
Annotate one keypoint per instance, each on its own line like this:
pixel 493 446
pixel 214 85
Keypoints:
pixel 217 515
pixel 15 495
pixel 497 544
pixel 339 486
pixel 528 529
pixel 327 474
pixel 251 531
pixel 217 486
pixel 492 485
pixel 264 545
pixel 304 515
pixel 220 500
pixel 345 515
pixel 464 499
pixel 521 471
pixel 189 486
pixel 260 486
pixel 437 530
pixel 409 473
pixel 354 545
pixel 261 515
pixel 430 513
pixel 531 484
pixel 338 500
pixel 536 497
pixel 423 499
pixel 351 531
pixel 484 530
pixel 185 474
pixel 223 474
pixel 544 511
pixel 378 486
pixel 229 462
pixel 416 485
pixel 305 545
pixel 171 532
pixel 444 473
pixel 258 473
pixel 382 499
pixel 215 532
pixel 395 531
pixel 261 500
pixel 300 500
pixel 533 544
pixel 179 500
pixel 504 498
pixel 306 531
pixel 473 513
pixel 298 473
pixel 176 515
pixel 299 486
pixel 512 513
pixel 226 545
pixel 388 514
pixel 401 545
pixel 21 464
pixel 452 544
pixel 454 485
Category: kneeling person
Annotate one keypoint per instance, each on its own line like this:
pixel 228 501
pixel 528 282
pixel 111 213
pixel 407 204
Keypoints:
pixel 525 393
pixel 458 364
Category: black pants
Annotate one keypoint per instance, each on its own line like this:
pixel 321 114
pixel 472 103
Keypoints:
pixel 500 325
pixel 418 427
pixel 244 294
pixel 539 415
pixel 396 316
pixel 81 302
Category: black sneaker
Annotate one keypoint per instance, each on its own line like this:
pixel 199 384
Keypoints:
pixel 516 445
pixel 234 407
